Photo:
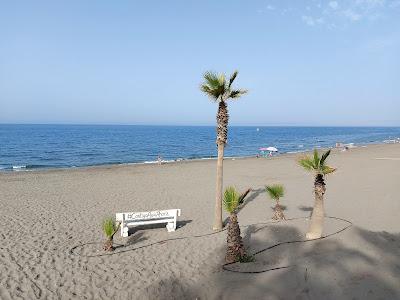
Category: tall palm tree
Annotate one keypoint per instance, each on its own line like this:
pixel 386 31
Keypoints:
pixel 276 192
pixel 235 250
pixel 317 165
pixel 220 90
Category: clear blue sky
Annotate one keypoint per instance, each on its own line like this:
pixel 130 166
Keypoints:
pixel 141 62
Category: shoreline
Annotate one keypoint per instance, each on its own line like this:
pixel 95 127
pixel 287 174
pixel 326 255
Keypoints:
pixel 183 161
pixel 117 147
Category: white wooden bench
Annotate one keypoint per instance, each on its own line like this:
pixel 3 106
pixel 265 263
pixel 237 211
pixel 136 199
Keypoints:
pixel 130 219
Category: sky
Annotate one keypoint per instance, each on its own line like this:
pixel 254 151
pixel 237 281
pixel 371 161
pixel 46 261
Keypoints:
pixel 305 63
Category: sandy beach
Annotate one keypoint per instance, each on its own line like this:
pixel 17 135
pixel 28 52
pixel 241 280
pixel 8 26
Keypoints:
pixel 51 238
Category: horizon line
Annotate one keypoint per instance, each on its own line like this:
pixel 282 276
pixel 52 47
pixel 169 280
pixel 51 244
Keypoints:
pixel 187 125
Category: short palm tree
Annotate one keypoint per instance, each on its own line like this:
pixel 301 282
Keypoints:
pixel 220 90
pixel 276 192
pixel 109 228
pixel 235 250
pixel 317 165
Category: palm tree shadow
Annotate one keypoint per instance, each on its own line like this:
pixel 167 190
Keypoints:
pixel 306 208
pixel 315 271
pixel 135 238
pixel 253 195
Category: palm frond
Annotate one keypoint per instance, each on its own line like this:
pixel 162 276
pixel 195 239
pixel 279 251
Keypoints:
pixel 212 93
pixel 233 76
pixel 109 226
pixel 221 80
pixel 231 199
pixel 307 163
pixel 236 93
pixel 275 191
pixel 213 85
pixel 327 170
pixel 324 157
pixel 206 89
pixel 317 164
pixel 211 79
pixel 216 87
pixel 316 159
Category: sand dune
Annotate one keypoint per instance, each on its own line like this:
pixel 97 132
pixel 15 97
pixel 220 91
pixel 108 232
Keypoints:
pixel 51 237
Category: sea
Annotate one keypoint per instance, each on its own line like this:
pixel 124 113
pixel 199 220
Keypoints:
pixel 29 147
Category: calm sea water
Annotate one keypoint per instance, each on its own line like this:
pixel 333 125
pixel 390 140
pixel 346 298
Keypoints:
pixel 24 147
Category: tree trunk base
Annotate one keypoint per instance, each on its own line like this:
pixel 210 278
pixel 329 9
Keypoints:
pixel 278 213
pixel 318 214
pixel 313 235
pixel 234 254
pixel 235 248
pixel 108 245
pixel 217 228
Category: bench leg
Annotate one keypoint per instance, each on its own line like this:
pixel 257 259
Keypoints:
pixel 124 231
pixel 171 226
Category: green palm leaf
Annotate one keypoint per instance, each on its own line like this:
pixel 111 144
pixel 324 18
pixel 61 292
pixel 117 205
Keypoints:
pixel 325 156
pixel 316 159
pixel 221 80
pixel 211 79
pixel 233 76
pixel 218 89
pixel 231 199
pixel 317 164
pixel 275 191
pixel 237 93
pixel 327 170
pixel 109 226
pixel 307 163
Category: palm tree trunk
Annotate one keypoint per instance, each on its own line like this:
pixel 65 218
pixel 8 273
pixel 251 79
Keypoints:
pixel 108 245
pixel 278 212
pixel 318 214
pixel 222 136
pixel 218 194
pixel 235 249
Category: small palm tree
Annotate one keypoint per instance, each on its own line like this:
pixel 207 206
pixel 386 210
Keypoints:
pixel 220 90
pixel 110 228
pixel 235 250
pixel 276 192
pixel 317 165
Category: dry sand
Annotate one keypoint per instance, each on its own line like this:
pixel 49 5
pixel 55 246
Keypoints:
pixel 48 220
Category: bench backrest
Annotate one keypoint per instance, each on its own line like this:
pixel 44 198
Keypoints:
pixel 148 217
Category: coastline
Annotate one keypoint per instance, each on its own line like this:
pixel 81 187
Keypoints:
pixel 184 160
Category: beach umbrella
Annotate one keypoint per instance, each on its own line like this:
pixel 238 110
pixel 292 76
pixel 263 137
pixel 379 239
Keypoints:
pixel 272 149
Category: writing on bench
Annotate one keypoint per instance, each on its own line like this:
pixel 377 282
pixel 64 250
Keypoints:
pixel 130 219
